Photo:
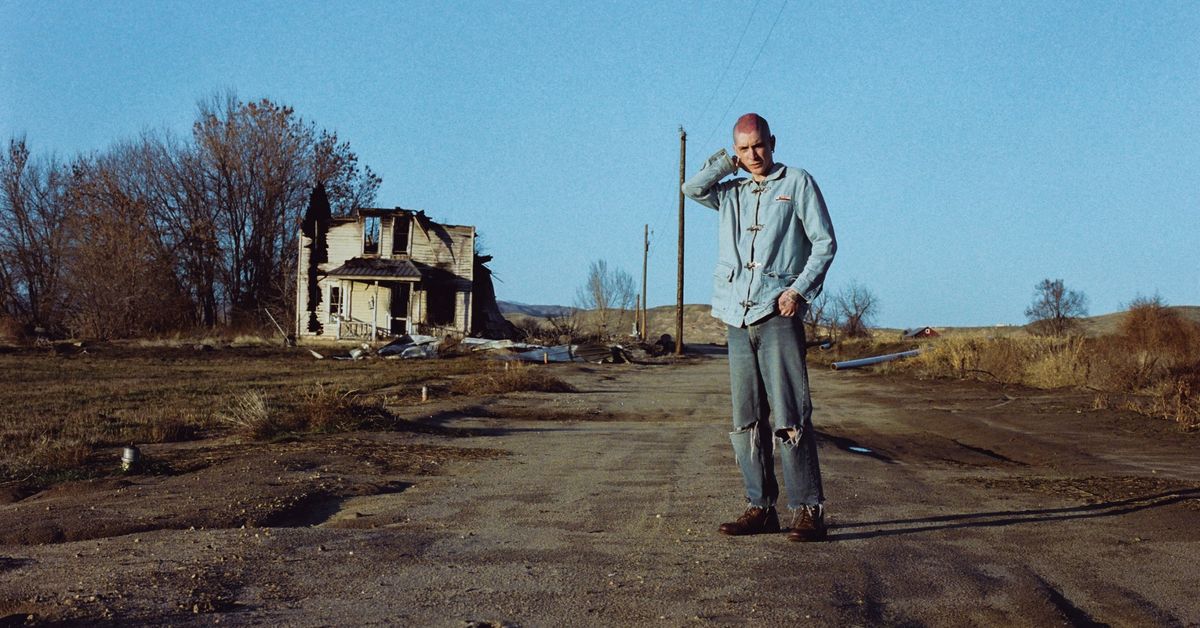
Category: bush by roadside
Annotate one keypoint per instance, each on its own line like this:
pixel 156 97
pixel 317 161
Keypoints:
pixel 1150 366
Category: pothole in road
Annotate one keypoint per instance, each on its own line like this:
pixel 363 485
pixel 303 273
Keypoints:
pixel 317 509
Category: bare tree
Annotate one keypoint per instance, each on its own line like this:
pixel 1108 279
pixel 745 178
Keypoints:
pixel 609 292
pixel 817 315
pixel 260 161
pixel 857 307
pixel 32 236
pixel 1056 309
pixel 205 227
pixel 186 222
pixel 121 281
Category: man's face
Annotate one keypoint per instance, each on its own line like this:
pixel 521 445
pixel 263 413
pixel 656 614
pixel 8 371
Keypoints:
pixel 754 151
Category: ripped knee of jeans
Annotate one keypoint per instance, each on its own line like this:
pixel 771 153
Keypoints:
pixel 789 436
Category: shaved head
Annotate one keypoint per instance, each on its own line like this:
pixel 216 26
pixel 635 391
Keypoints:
pixel 754 145
pixel 752 122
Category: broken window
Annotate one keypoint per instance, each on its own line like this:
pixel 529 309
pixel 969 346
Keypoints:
pixel 335 303
pixel 371 235
pixel 400 234
pixel 441 305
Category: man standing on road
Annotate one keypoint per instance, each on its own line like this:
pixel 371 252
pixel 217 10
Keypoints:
pixel 775 245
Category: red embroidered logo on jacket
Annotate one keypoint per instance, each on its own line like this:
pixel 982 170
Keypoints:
pixel 783 197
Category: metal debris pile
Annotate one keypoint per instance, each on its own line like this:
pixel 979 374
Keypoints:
pixel 416 346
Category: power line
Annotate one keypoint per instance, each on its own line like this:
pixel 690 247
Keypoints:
pixel 748 73
pixel 717 86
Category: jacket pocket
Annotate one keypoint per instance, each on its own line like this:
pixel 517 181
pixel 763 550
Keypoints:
pixel 777 281
pixel 722 285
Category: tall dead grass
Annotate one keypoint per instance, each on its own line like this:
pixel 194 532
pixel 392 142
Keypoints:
pixel 1151 366
pixel 249 414
pixel 506 377
pixel 319 408
pixel 1039 362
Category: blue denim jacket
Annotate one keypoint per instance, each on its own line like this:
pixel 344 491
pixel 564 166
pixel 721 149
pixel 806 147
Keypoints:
pixel 773 235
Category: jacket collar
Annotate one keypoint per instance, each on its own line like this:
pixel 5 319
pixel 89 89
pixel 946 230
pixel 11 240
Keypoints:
pixel 777 172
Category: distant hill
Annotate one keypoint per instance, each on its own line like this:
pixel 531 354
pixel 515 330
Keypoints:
pixel 542 311
pixel 699 326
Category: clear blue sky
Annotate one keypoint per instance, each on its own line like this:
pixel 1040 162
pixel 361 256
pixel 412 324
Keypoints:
pixel 966 150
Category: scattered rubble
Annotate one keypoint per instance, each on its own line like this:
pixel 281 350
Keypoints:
pixel 411 346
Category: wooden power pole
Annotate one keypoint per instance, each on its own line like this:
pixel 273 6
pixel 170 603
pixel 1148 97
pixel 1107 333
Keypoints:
pixel 643 313
pixel 679 283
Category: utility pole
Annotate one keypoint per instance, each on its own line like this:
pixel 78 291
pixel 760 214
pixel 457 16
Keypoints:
pixel 637 317
pixel 679 284
pixel 642 313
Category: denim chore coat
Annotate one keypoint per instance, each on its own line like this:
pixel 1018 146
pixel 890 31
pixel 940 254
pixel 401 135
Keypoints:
pixel 773 235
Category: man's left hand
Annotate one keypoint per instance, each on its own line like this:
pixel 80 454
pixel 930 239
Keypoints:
pixel 788 302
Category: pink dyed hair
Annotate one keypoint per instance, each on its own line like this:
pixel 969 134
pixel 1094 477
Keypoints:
pixel 752 122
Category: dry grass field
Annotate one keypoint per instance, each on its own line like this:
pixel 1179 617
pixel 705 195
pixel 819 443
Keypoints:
pixel 62 411
pixel 1146 360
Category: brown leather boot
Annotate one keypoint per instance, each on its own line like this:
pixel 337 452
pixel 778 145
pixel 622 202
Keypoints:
pixel 808 524
pixel 754 521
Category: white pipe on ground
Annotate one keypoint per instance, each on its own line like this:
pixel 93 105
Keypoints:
pixel 853 364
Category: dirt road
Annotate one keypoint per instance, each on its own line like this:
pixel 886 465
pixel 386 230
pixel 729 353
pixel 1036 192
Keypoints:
pixel 951 504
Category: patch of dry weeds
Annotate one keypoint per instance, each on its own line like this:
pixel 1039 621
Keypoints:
pixel 1151 366
pixel 57 409
pixel 507 377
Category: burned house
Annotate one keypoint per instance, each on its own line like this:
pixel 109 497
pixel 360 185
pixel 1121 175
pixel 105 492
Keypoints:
pixel 387 272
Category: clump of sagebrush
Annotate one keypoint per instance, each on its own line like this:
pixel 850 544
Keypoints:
pixel 318 408
pixel 324 408
pixel 1175 400
pixel 1158 359
pixel 509 377
pixel 251 415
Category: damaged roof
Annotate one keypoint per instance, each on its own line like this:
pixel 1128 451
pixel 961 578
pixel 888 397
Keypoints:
pixel 376 268
pixel 419 214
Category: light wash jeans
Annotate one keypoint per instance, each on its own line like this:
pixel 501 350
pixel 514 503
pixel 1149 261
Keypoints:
pixel 769 385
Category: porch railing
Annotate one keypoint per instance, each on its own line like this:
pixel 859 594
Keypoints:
pixel 351 329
